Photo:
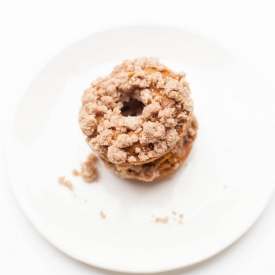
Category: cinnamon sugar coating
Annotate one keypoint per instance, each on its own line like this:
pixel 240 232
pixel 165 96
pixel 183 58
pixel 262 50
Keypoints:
pixel 162 166
pixel 136 114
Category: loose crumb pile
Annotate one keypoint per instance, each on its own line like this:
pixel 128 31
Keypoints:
pixel 137 113
pixel 102 215
pixel 65 182
pixel 89 168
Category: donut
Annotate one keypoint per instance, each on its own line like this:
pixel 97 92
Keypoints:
pixel 136 114
pixel 163 166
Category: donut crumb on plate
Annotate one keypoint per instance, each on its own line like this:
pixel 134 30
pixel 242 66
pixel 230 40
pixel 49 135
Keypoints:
pixel 65 182
pixel 89 168
pixel 75 173
pixel 163 220
pixel 102 215
pixel 180 218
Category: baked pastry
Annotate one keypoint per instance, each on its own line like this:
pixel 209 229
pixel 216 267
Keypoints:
pixel 163 166
pixel 136 114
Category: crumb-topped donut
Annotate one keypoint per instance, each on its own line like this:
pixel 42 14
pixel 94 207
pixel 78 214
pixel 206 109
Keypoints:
pixel 163 166
pixel 137 113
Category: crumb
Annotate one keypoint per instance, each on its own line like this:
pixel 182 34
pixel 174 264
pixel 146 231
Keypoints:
pixel 75 172
pixel 65 182
pixel 89 169
pixel 163 220
pixel 174 219
pixel 131 74
pixel 180 218
pixel 174 212
pixel 102 215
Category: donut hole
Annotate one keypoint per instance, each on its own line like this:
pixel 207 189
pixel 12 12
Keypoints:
pixel 151 146
pixel 133 107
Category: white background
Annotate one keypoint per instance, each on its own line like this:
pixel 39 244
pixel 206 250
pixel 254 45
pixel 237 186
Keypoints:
pixel 32 32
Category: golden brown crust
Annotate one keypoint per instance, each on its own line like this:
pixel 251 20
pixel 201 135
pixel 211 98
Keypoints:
pixel 163 166
pixel 137 113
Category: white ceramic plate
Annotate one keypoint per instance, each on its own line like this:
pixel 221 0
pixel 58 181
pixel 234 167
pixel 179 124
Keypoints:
pixel 221 190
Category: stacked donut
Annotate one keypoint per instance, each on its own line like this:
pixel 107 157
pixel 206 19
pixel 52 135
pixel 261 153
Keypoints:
pixel 139 119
